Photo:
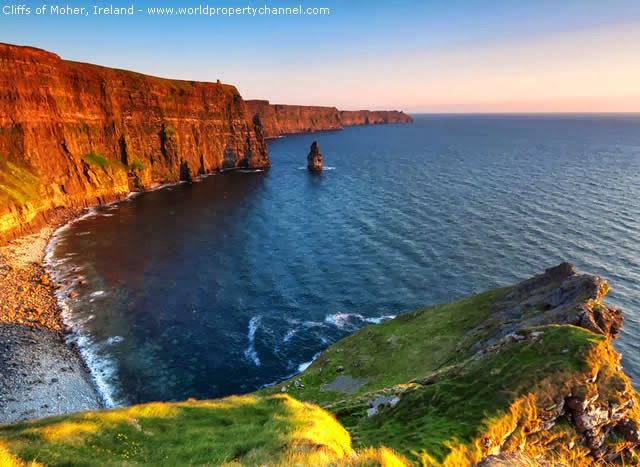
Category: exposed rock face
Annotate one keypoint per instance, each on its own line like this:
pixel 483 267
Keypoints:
pixel 601 405
pixel 558 296
pixel 277 119
pixel 74 134
pixel 314 159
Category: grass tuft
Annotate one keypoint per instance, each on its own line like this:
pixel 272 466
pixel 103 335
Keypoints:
pixel 17 184
pixel 96 159
pixel 137 165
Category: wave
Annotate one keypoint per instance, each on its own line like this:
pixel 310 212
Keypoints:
pixel 289 335
pixel 299 369
pixel 343 320
pixel 311 324
pixel 250 352
pixel 304 366
pixel 249 171
pixel 114 340
pixel 379 319
pixel 102 369
pixel 339 320
pixel 161 186
pixel 324 168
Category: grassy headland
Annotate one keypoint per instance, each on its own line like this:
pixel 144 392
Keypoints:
pixel 501 378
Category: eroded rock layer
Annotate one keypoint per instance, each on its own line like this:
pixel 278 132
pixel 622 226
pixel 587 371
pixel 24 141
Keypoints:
pixel 74 134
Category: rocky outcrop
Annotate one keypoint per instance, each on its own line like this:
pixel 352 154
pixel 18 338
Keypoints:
pixel 558 296
pixel 277 119
pixel 314 159
pixel 599 403
pixel 74 134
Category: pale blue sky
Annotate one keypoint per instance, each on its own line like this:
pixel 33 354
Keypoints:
pixel 415 55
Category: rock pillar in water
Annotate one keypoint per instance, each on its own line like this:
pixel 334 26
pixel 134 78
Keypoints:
pixel 314 159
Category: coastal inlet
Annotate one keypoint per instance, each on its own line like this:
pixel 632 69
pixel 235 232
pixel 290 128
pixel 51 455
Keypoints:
pixel 220 287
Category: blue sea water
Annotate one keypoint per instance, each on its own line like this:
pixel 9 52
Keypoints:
pixel 223 286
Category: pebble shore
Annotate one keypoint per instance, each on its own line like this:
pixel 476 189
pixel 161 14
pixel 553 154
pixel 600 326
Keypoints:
pixel 40 375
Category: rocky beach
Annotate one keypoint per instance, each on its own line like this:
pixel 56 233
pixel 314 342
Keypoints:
pixel 40 374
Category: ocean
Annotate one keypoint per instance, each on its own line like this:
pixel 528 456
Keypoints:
pixel 221 287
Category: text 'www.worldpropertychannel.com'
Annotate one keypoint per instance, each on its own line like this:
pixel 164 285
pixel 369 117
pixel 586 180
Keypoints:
pixel 131 10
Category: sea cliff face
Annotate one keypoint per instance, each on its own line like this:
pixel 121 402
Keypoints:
pixel 74 134
pixel 279 119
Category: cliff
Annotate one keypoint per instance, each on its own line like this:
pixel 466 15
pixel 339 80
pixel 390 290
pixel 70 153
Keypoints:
pixel 277 119
pixel 368 117
pixel 524 375
pixel 74 134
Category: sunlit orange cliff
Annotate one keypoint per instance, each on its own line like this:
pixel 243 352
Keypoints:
pixel 74 134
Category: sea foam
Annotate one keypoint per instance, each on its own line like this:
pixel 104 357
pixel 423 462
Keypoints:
pixel 250 352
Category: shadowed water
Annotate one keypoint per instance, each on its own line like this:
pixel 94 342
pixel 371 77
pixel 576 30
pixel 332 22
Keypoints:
pixel 226 285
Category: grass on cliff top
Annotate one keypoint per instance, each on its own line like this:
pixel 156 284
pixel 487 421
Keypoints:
pixel 394 352
pixel 236 430
pixel 441 417
pixel 447 397
pixel 17 184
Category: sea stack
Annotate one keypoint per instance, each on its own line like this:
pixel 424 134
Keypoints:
pixel 314 159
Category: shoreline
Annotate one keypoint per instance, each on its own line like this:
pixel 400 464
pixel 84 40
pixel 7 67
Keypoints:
pixel 41 374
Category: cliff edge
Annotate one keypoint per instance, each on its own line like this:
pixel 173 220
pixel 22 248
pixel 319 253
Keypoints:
pixel 74 134
pixel 523 375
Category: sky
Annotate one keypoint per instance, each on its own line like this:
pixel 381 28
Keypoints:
pixel 413 55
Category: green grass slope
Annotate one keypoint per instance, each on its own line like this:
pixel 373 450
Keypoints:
pixel 394 352
pixel 413 390
pixel 245 430
pixel 443 417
